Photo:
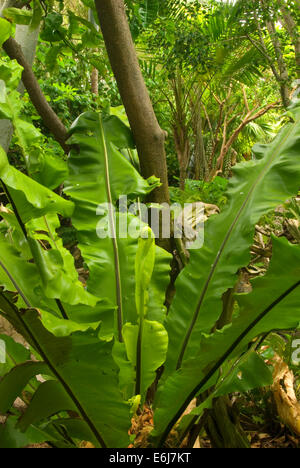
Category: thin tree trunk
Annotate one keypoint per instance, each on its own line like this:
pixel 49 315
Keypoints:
pixel 24 58
pixel 281 75
pixel 283 71
pixel 149 137
pixel 95 72
pixel 201 166
pixel 182 147
pixel 182 176
pixel 284 76
pixel 95 81
pixel 51 120
pixel 180 127
pixel 292 29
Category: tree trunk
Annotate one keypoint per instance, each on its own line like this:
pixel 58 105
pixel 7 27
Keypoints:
pixel 292 29
pixel 94 81
pixel 149 137
pixel 183 153
pixel 283 71
pixel 201 166
pixel 95 72
pixel 182 176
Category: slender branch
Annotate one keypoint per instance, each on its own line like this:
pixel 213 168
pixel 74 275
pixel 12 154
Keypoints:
pixel 207 118
pixel 51 120
pixel 248 119
pixel 245 99
pixel 279 53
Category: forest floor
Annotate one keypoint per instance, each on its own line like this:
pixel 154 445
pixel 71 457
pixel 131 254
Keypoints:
pixel 259 439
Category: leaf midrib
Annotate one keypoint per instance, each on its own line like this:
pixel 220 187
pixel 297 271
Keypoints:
pixel 224 357
pixel 224 243
pixel 113 237
pixel 56 373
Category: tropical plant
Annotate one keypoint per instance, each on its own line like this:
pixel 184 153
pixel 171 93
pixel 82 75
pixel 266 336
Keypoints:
pixel 99 347
pixel 204 71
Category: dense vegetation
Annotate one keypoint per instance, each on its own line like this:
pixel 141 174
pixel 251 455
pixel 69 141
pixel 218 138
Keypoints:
pixel 110 112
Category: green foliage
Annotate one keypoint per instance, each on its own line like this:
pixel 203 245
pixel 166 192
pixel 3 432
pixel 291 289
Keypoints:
pixel 103 339
pixel 142 14
pixel 33 199
pixel 18 16
pixel 99 175
pixel 207 192
pixel 260 312
pixel 115 332
pixel 147 342
pixel 229 237
pixel 40 165
pixel 53 30
pixel 5 30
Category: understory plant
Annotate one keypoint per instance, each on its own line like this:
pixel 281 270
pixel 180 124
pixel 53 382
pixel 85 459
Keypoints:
pixel 95 347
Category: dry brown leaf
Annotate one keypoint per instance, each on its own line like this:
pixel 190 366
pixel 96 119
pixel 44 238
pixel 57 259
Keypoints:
pixel 86 445
pixel 285 398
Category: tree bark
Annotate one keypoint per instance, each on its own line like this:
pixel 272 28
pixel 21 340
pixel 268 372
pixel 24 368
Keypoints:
pixel 182 146
pixel 95 81
pixel 95 72
pixel 281 74
pixel 201 167
pixel 149 137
